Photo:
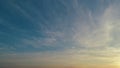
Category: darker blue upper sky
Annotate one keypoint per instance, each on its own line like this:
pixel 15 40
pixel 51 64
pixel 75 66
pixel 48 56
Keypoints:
pixel 42 25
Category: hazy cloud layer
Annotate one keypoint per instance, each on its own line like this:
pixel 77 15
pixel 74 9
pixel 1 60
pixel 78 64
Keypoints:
pixel 74 32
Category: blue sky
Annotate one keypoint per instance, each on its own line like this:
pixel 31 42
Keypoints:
pixel 46 32
pixel 42 21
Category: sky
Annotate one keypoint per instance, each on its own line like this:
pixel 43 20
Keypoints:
pixel 59 34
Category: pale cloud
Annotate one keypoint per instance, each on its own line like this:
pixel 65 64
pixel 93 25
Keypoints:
pixel 56 34
pixel 92 35
pixel 51 39
pixel 114 18
pixel 95 36
pixel 38 42
pixel 6 47
pixel 98 33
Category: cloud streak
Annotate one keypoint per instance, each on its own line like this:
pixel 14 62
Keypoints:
pixel 66 33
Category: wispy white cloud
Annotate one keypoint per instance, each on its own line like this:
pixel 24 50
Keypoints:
pixel 96 34
pixel 51 39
